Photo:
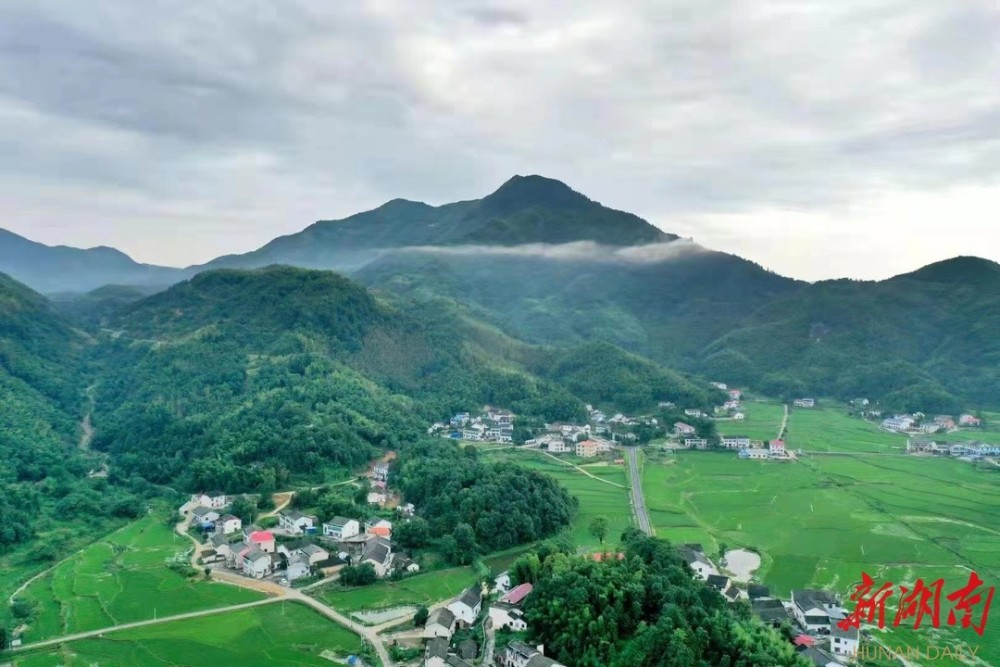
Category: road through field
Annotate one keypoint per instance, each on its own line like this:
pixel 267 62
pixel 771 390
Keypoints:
pixel 638 501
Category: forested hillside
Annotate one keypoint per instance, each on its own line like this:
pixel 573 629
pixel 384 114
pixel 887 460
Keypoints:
pixel 44 488
pixel 245 380
pixel 642 611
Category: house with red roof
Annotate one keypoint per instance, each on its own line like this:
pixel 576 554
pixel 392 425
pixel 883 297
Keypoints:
pixel 262 539
pixel 517 594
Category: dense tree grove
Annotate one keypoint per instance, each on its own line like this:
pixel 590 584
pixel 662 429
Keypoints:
pixel 477 503
pixel 643 611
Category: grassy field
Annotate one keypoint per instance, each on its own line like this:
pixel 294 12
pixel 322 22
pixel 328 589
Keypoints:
pixel 833 430
pixel 284 633
pixel 120 579
pixel 823 520
pixel 420 590
pixel 596 497
pixel 761 421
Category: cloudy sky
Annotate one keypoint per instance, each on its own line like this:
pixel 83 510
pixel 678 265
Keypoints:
pixel 819 138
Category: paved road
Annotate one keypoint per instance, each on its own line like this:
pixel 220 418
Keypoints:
pixel 638 502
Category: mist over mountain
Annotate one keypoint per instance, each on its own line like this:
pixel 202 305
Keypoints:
pixel 546 265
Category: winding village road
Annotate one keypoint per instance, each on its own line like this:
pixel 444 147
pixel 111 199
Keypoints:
pixel 638 501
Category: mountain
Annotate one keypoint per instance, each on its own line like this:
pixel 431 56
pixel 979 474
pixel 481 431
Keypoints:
pixel 242 379
pixel 923 340
pixel 64 269
pixel 524 210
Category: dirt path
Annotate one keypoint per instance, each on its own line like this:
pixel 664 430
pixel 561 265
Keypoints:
pixel 784 422
pixel 579 469
pixel 140 624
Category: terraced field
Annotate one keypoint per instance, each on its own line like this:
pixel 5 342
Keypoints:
pixel 283 634
pixel 120 579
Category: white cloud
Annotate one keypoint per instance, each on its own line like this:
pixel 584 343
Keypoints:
pixel 222 125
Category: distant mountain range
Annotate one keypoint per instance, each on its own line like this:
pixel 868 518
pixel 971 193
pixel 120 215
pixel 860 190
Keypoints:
pixel 547 265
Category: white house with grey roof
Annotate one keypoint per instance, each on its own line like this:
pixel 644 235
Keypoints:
pixel 340 527
pixel 697 561
pixel 812 609
pixel 844 642
pixel 258 564
pixel 440 623
pixel 378 552
pixel 296 523
pixel 467 607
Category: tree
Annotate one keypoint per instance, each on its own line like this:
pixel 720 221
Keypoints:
pixel 465 543
pixel 358 575
pixel 413 534
pixel 208 573
pixel 244 508
pixel 420 618
pixel 599 527
pixel 3 638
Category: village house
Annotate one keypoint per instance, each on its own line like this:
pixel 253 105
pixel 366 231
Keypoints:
pixel 804 402
pixel 297 566
pixel 731 405
pixel 735 441
pixel 586 449
pixel 378 552
pixel 440 623
pixel 695 557
pixel 229 524
pixel 770 611
pixel 258 564
pixel 215 500
pixel 844 642
pixel 261 539
pixel 735 394
pixel 234 556
pixel 467 607
pixel 692 412
pixel 519 654
pixel 665 404
pixel 340 527
pixel 378 526
pixel 898 423
pixel 380 471
pixel 314 554
pixel 604 446
pixel 739 416
pixel 405 564
pixel 220 544
pixel 818 657
pixel 680 428
pixel 812 609
pixel 776 447
pixel 507 617
pixel 376 498
pixel 436 652
pixel 754 453
pixel 696 443
pixel 724 585
pixel 947 422
pixel 460 419
pixel 204 516
pixel 558 446
pixel 720 385
pixel 297 523
pixel 969 420
pixel 517 594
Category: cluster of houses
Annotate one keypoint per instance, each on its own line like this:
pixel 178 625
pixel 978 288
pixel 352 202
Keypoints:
pixel 744 445
pixel 963 450
pixel 815 613
pixel 492 425
pixel 731 408
pixel 804 403
pixel 298 546
pixel 918 424
pixel 506 613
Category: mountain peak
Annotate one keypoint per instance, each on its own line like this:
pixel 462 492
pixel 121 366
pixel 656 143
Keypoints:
pixel 522 192
pixel 962 269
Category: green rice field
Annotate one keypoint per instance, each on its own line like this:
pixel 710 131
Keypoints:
pixel 121 579
pixel 419 590
pixel 282 634
pixel 854 504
